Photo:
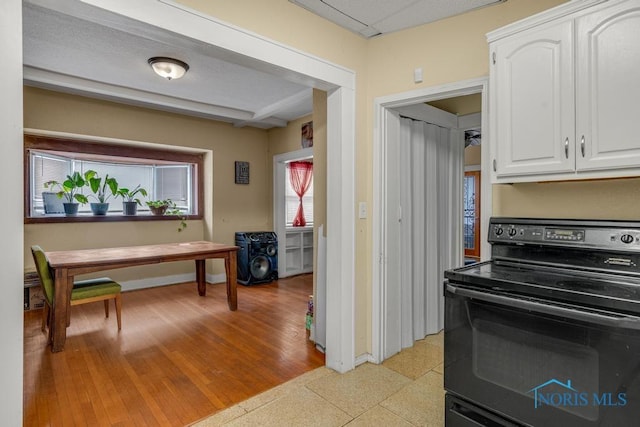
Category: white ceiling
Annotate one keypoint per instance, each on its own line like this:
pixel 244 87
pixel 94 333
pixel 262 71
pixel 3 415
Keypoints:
pixel 73 47
pixel 374 17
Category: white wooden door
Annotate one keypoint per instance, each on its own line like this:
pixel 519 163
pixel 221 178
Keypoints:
pixel 532 81
pixel 608 93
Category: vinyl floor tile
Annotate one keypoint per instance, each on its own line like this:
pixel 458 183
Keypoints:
pixel 361 389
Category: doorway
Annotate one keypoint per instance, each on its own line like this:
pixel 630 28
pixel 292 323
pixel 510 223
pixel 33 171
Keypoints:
pixel 385 310
pixel 472 187
pixel 472 205
pixel 295 254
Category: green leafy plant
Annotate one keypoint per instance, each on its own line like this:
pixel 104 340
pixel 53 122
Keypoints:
pixel 160 203
pixel 130 195
pixel 70 188
pixel 168 207
pixel 100 187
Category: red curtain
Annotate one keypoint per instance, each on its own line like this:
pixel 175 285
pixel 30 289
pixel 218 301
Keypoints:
pixel 300 174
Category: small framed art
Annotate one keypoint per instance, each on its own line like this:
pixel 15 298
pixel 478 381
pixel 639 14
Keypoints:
pixel 307 135
pixel 242 172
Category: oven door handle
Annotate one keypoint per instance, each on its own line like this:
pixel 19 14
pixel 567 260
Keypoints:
pixel 572 312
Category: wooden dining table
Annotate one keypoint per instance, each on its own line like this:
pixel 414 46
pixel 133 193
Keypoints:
pixel 67 264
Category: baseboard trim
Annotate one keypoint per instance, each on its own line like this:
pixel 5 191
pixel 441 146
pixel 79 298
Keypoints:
pixel 364 358
pixel 132 285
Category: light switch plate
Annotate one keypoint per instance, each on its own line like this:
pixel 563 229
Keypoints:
pixel 417 75
pixel 362 210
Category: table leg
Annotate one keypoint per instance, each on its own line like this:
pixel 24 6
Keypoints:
pixel 201 277
pixel 231 266
pixel 61 312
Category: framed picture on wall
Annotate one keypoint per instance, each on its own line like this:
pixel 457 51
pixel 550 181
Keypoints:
pixel 242 172
pixel 307 135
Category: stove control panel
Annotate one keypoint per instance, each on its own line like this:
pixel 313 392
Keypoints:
pixel 611 235
pixel 564 234
pixel 515 232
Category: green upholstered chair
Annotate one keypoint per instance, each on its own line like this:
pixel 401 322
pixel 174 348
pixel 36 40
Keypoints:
pixel 84 291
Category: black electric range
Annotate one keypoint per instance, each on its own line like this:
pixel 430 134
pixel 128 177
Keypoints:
pixel 547 332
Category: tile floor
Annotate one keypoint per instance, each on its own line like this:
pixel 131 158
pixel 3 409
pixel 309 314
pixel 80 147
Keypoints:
pixel 405 390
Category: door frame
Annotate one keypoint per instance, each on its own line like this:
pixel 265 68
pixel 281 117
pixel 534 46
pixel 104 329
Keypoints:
pixel 382 107
pixel 12 261
pixel 279 215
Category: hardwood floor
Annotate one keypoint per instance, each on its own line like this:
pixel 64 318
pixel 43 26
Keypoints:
pixel 178 358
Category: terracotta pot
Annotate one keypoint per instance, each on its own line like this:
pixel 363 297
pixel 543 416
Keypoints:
pixel 158 210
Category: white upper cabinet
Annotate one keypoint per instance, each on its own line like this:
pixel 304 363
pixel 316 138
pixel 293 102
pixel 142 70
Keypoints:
pixel 534 101
pixel 608 88
pixel 563 97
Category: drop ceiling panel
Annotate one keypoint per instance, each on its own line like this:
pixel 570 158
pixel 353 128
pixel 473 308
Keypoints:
pixel 369 11
pixel 372 17
pixel 424 11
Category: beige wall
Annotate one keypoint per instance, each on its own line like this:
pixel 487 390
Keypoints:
pixel 319 162
pixel 229 207
pixel 285 140
pixel 472 155
pixel 604 199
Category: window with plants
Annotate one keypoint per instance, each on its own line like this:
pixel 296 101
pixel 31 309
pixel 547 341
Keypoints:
pixel 126 181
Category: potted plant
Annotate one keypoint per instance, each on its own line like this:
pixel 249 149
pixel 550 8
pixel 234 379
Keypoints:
pixel 168 207
pixel 129 200
pixel 69 189
pixel 102 191
pixel 159 207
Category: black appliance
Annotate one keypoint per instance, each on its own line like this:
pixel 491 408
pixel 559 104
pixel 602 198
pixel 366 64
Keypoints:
pixel 257 257
pixel 547 332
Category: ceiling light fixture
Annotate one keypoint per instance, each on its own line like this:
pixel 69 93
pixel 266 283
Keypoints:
pixel 168 68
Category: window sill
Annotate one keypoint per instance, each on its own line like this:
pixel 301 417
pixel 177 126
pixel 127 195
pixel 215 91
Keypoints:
pixel 305 228
pixel 114 217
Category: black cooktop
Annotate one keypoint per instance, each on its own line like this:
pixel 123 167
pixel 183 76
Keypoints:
pixel 617 292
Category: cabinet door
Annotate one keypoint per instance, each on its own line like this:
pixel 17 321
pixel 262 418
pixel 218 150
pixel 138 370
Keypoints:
pixel 533 85
pixel 608 89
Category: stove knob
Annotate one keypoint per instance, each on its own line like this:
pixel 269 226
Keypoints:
pixel 499 231
pixel 512 232
pixel 626 238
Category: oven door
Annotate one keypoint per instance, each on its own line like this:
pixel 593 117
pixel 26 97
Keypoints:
pixel 538 363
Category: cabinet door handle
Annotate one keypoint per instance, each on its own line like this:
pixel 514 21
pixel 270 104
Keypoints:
pixel 566 147
pixel 582 145
pixel 493 56
pixel 495 169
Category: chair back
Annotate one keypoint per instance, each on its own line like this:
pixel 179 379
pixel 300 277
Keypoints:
pixel 44 272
